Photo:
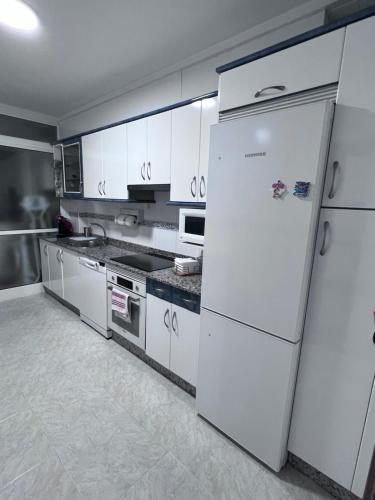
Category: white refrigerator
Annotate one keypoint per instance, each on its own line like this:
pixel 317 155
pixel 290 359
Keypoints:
pixel 257 264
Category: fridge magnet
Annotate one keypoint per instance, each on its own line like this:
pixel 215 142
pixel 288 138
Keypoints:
pixel 301 189
pixel 278 189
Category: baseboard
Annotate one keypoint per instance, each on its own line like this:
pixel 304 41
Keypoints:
pixel 20 291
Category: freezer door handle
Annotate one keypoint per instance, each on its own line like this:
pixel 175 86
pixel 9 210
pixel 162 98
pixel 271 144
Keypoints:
pixel 260 92
pixel 335 167
pixel 323 248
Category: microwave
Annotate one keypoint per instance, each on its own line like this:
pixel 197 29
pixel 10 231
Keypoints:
pixel 191 226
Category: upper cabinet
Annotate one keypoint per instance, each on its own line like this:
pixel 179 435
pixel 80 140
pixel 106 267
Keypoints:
pixel 350 172
pixel 149 150
pixel 301 67
pixel 105 164
pixel 190 149
pixel 72 173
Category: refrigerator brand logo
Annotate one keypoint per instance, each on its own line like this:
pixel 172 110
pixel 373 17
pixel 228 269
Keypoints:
pixel 253 155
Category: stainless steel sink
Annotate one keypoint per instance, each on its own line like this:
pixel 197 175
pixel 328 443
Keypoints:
pixel 86 241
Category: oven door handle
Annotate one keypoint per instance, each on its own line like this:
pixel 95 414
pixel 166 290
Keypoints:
pixel 110 287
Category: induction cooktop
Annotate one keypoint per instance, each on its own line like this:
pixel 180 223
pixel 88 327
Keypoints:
pixel 145 261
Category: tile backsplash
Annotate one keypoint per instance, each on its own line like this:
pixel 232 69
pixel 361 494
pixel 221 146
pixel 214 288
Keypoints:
pixel 159 229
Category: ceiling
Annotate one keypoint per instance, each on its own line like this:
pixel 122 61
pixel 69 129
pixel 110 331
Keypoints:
pixel 88 48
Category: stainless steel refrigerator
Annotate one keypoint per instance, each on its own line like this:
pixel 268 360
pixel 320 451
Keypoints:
pixel 28 208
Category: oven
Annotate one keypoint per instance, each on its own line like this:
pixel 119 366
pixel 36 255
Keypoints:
pixel 133 326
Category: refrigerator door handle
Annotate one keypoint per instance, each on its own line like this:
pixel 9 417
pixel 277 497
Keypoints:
pixel 335 167
pixel 260 92
pixel 323 249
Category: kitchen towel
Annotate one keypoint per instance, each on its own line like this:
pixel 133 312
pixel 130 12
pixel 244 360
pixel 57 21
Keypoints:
pixel 120 302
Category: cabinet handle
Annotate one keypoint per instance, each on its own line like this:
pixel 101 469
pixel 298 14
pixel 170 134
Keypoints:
pixel 174 319
pixel 61 257
pixel 99 188
pixel 323 249
pixel 202 183
pixel 143 171
pixel 335 167
pixel 45 251
pixel 373 338
pixel 165 319
pixel 103 187
pixel 193 182
pixel 149 170
pixel 58 256
pixel 259 92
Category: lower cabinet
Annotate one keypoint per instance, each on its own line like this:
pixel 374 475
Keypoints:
pixel 60 272
pixel 172 336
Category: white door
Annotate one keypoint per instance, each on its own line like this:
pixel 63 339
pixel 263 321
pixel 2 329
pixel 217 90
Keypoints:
pixel 115 178
pixel 209 117
pixel 56 270
pixel 245 385
pixel 366 450
pixel 158 330
pixel 186 126
pixel 351 172
pixel 263 246
pixel 72 282
pixel 185 344
pixel 137 151
pixel 337 364
pixel 45 263
pixel 92 165
pixel 158 168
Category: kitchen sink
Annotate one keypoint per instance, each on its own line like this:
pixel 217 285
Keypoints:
pixel 85 241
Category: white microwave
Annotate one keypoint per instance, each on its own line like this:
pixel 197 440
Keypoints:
pixel 191 226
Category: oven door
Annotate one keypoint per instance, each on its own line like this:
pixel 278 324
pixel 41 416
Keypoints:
pixel 133 327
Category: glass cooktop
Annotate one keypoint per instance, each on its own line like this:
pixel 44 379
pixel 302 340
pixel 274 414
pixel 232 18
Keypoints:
pixel 145 261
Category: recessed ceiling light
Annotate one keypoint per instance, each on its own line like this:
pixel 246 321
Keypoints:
pixel 18 15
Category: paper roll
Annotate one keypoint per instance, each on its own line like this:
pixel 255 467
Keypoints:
pixel 126 220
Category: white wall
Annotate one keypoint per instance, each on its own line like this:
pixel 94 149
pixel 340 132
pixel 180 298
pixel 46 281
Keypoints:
pixel 191 81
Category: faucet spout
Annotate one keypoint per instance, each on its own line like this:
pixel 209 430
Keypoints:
pixel 102 228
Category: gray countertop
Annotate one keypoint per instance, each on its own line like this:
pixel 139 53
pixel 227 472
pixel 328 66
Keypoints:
pixel 117 248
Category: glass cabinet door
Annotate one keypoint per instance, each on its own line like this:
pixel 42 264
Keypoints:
pixel 72 168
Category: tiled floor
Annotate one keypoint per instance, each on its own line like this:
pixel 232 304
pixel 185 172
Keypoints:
pixel 80 417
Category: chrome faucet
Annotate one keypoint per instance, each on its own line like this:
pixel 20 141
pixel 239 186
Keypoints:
pixel 102 228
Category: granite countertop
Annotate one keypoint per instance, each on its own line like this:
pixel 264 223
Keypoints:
pixel 117 248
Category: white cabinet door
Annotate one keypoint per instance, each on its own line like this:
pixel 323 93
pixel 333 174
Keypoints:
pixel 186 126
pixel 337 362
pixel 56 271
pixel 351 173
pixel 114 152
pixel 44 263
pixel 72 288
pixel 245 385
pixel 185 344
pixel 158 168
pixel 158 326
pixel 304 66
pixel 137 151
pixel 92 165
pixel 366 450
pixel 209 117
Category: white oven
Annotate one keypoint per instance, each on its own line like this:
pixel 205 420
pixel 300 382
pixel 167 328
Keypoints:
pixel 133 326
pixel 191 225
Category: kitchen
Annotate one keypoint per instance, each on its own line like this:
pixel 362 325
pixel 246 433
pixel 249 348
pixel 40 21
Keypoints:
pixel 186 290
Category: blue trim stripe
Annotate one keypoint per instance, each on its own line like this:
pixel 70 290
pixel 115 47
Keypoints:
pixel 304 37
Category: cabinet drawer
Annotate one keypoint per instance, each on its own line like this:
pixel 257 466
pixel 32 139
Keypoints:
pixel 186 300
pixel 307 65
pixel 160 290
